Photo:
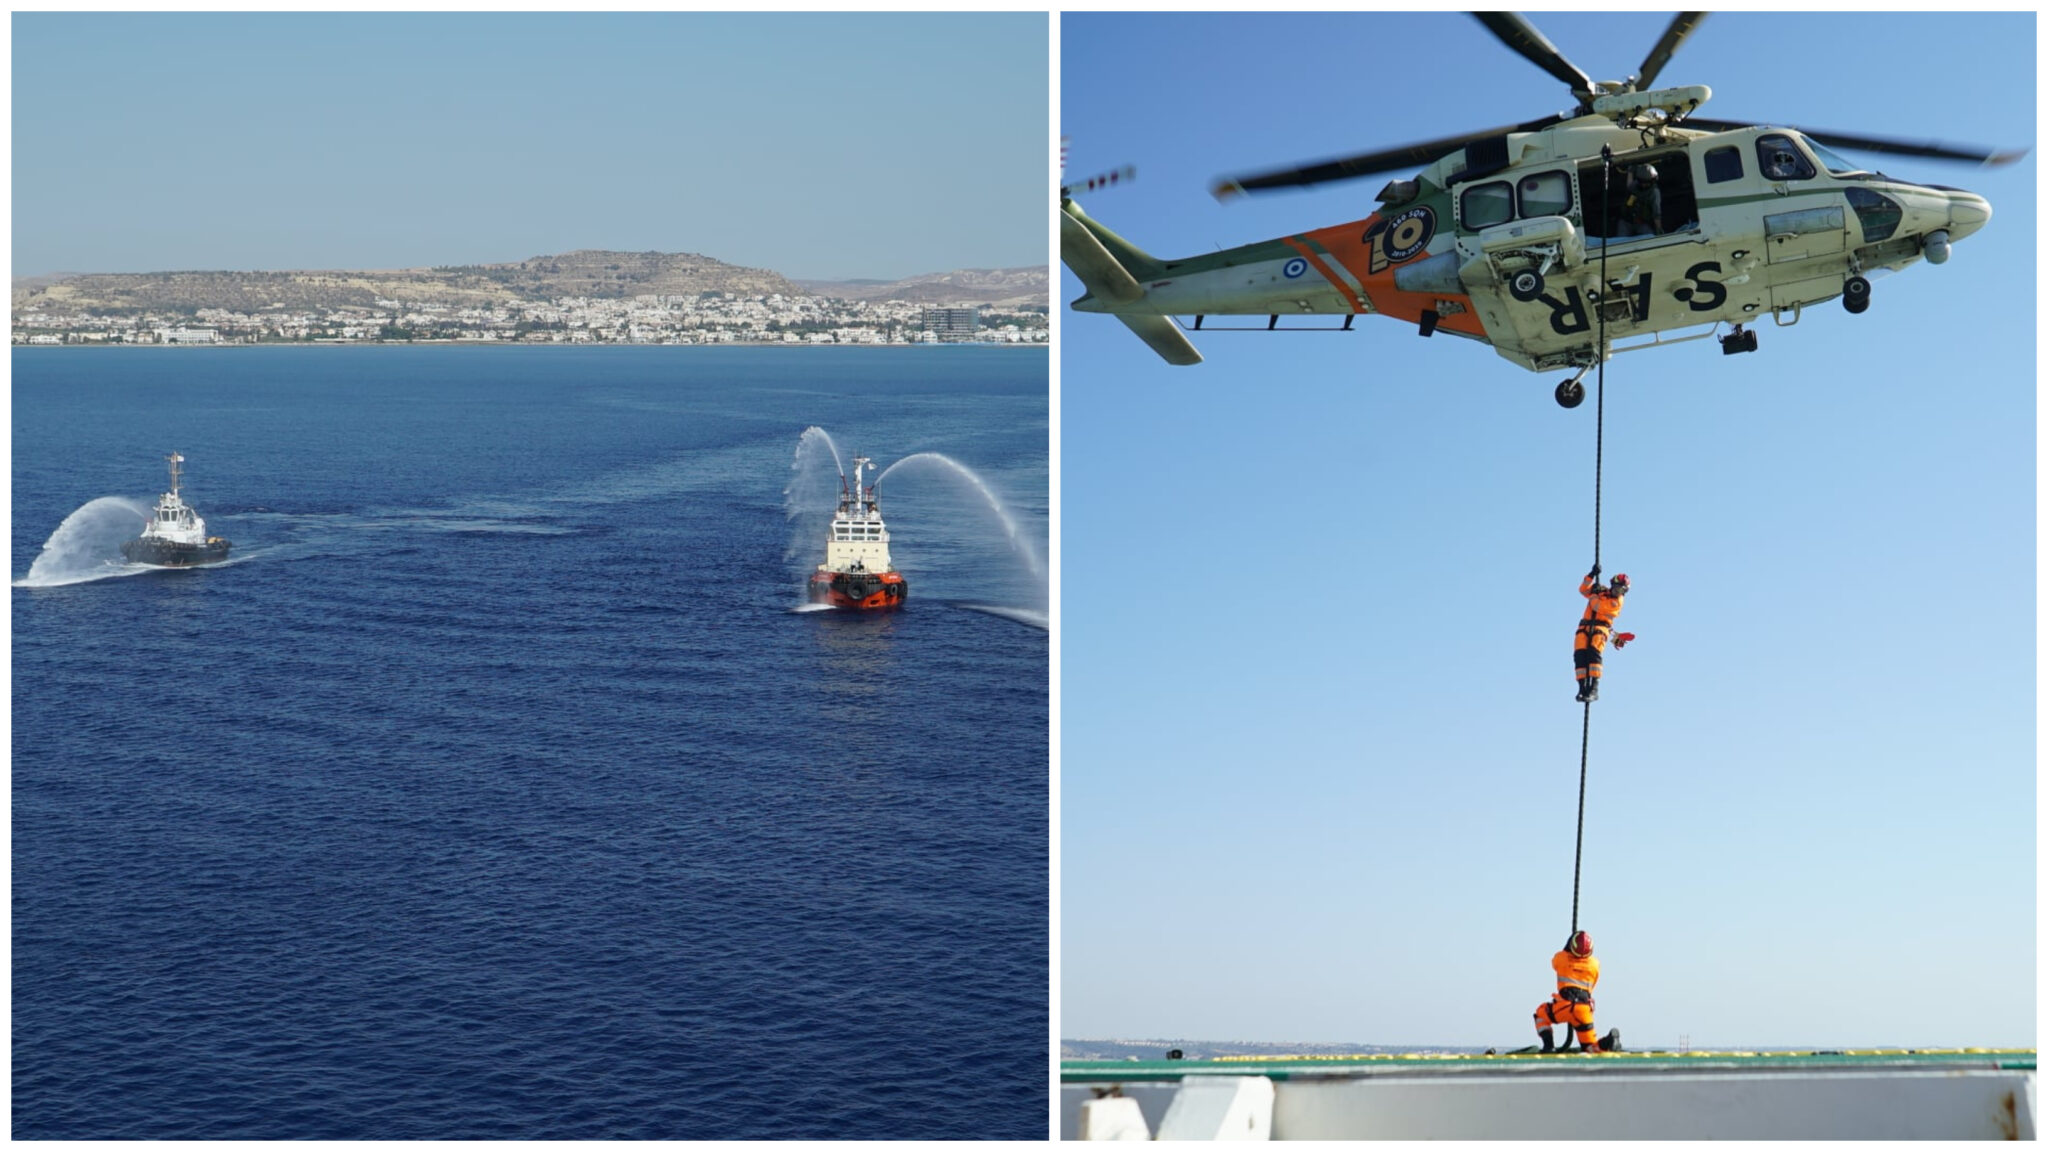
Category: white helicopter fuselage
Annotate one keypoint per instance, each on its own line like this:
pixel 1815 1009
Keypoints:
pixel 1502 241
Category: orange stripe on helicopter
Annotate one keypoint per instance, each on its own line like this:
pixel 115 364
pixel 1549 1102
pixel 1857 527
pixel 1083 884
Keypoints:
pixel 1323 270
pixel 1346 245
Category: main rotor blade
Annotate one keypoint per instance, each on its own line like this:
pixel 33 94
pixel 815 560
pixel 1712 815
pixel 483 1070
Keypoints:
pixel 1523 37
pixel 1931 149
pixel 1407 156
pixel 1682 25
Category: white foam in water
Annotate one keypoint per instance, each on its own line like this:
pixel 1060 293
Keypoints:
pixel 1039 620
pixel 87 545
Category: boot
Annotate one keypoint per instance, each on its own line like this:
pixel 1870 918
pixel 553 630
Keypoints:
pixel 1590 1049
pixel 1581 697
pixel 1592 691
pixel 1549 1045
pixel 1612 1041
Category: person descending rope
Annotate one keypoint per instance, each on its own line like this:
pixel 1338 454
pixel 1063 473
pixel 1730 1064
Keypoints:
pixel 1572 1006
pixel 1603 604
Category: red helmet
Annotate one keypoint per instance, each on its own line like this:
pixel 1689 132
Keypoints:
pixel 1580 944
pixel 1620 582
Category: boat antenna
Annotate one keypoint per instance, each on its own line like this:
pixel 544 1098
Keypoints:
pixel 175 460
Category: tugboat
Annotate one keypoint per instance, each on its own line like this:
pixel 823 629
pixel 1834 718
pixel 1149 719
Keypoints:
pixel 176 536
pixel 856 572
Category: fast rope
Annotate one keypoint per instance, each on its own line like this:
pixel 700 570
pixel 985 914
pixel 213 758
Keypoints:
pixel 1599 449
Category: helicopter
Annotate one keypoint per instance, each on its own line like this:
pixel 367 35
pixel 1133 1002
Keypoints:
pixel 1629 216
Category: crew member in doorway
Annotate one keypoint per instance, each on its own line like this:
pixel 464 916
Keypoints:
pixel 1642 206
pixel 1572 1006
pixel 1603 604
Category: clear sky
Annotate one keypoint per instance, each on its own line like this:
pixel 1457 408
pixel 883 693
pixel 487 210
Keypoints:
pixel 818 145
pixel 1319 754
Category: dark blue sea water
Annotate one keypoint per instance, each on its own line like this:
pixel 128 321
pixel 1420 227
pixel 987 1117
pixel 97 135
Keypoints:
pixel 494 789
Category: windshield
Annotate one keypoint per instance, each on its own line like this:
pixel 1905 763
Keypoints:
pixel 1833 163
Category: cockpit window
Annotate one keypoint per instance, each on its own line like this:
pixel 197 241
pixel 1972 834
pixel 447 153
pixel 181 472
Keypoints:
pixel 1485 205
pixel 1879 215
pixel 1832 162
pixel 1779 159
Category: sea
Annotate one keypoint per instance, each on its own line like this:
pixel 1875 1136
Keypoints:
pixel 501 785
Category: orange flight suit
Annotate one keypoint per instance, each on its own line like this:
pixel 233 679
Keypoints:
pixel 1572 1006
pixel 1602 606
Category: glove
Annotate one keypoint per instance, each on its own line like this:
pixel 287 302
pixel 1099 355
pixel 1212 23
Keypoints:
pixel 1594 574
pixel 1621 640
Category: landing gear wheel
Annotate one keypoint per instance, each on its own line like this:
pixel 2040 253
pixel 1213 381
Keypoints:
pixel 1856 294
pixel 1526 285
pixel 1571 393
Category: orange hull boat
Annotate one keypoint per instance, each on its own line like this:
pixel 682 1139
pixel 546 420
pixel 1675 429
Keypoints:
pixel 856 574
pixel 859 591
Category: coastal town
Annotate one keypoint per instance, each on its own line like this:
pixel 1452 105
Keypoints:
pixel 709 317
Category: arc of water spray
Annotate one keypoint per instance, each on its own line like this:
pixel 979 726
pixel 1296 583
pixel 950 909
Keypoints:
pixel 1009 522
pixel 816 433
pixel 793 494
pixel 806 498
pixel 86 544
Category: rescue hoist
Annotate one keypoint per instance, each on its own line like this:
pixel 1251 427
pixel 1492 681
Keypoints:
pixel 1599 450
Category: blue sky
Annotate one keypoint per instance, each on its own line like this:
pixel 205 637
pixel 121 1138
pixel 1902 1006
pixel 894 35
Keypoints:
pixel 819 145
pixel 1319 755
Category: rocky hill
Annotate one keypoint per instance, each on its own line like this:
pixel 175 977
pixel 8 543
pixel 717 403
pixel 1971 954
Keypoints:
pixel 1016 287
pixel 582 273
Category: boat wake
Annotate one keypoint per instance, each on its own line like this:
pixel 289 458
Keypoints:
pixel 1028 617
pixel 1039 620
pixel 87 545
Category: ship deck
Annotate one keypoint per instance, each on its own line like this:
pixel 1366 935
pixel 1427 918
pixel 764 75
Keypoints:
pixel 1282 1068
pixel 1879 1093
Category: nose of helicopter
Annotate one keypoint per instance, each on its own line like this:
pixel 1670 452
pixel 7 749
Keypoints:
pixel 1967 212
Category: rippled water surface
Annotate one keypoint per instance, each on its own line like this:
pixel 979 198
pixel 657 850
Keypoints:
pixel 495 789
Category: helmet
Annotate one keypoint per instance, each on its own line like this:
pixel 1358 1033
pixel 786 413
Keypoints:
pixel 1580 944
pixel 1620 584
pixel 1646 173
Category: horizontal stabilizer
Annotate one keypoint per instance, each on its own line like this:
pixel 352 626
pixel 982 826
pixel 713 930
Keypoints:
pixel 1164 336
pixel 1109 278
pixel 1083 251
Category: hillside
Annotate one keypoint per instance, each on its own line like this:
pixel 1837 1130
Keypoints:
pixel 1017 287
pixel 602 275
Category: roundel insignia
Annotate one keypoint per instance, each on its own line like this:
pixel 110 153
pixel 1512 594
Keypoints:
pixel 1406 234
pixel 1294 268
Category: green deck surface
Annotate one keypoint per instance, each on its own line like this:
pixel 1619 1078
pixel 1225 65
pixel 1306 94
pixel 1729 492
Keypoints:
pixel 1286 1067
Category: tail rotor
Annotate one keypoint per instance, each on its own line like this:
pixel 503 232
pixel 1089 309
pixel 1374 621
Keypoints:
pixel 1110 179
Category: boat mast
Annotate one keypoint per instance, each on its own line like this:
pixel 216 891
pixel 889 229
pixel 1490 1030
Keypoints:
pixel 175 460
pixel 862 495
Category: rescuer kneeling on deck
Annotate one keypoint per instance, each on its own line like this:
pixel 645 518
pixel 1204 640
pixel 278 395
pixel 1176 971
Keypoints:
pixel 1577 972
pixel 1603 604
